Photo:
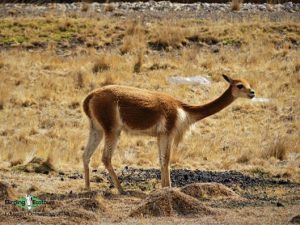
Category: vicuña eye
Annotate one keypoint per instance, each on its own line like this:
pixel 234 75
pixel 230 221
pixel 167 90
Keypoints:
pixel 240 86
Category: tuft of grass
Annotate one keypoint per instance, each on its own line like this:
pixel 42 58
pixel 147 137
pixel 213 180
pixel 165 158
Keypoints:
pixel 134 39
pixel 167 37
pixel 243 159
pixel 36 165
pixel 139 62
pixel 79 80
pixel 101 64
pixel 236 5
pixel 4 93
pixel 109 80
pixel 277 149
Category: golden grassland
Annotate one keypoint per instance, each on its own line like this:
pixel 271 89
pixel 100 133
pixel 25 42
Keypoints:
pixel 41 89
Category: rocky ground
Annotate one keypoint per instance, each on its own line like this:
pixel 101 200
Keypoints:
pixel 158 9
pixel 248 186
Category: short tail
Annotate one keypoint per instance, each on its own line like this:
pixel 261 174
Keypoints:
pixel 85 105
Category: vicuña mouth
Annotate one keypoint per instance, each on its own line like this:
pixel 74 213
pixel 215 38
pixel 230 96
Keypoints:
pixel 251 96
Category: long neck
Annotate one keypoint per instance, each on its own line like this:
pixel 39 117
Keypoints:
pixel 201 111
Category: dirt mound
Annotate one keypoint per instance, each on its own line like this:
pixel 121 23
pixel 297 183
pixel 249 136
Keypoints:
pixel 210 191
pixel 169 202
pixel 295 219
pixel 36 165
pixel 6 192
pixel 89 205
pixel 77 210
pixel 86 209
pixel 87 201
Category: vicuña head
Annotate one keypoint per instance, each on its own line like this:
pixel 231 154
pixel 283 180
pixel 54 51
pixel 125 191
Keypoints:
pixel 113 109
pixel 240 88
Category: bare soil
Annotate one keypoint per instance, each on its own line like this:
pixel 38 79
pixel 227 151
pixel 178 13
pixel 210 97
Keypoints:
pixel 261 200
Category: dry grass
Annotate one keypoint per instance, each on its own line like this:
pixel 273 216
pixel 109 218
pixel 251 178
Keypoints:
pixel 139 62
pixel 278 149
pixel 134 40
pixel 166 37
pixel 245 158
pixel 79 79
pixel 41 91
pixel 210 191
pixel 102 64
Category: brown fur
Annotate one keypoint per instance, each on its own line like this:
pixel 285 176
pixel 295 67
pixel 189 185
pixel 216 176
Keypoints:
pixel 139 109
pixel 114 108
pixel 202 111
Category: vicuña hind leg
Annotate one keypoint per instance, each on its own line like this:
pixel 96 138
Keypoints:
pixel 111 140
pixel 95 137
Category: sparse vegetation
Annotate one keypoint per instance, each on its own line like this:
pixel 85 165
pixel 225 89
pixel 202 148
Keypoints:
pixel 49 64
pixel 139 62
pixel 134 39
pixel 278 149
pixel 245 158
pixel 101 64
pixel 79 80
pixel 167 37
pixel 41 92
pixel 57 80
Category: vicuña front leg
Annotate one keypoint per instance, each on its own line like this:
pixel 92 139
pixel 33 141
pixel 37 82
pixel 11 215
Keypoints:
pixel 164 145
pixel 110 145
pixel 95 137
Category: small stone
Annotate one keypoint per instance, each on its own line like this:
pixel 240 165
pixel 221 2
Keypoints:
pixel 279 204
pixel 142 188
pixel 97 179
pixel 262 7
pixel 73 177
pixel 215 49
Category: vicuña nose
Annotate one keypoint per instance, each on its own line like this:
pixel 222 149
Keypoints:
pixel 252 92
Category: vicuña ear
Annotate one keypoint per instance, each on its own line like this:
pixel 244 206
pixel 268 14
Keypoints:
pixel 228 79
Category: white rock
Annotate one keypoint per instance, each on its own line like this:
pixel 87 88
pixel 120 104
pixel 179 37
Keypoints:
pixel 261 100
pixel 203 80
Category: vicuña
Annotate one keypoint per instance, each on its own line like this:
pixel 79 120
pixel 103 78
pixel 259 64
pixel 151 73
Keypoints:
pixel 114 108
